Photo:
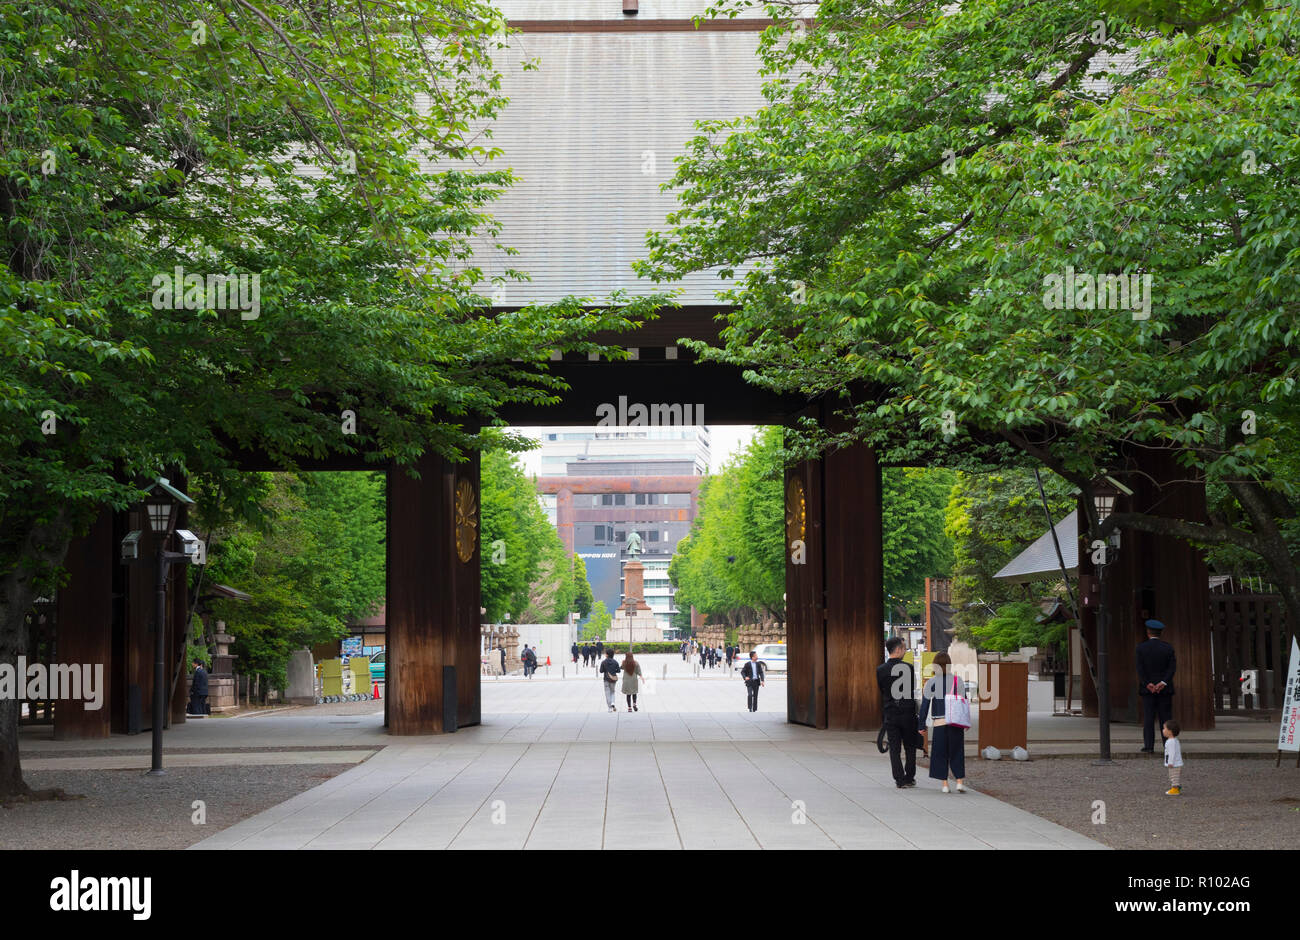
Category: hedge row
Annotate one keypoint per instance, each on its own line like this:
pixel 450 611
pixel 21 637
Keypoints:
pixel 671 646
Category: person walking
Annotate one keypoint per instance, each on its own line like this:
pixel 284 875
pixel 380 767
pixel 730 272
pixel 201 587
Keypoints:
pixel 574 650
pixel 729 656
pixel 608 676
pixel 502 651
pixel 948 751
pixel 755 675
pixel 896 680
pixel 1173 757
pixel 703 658
pixel 1156 665
pixel 631 680
pixel 600 650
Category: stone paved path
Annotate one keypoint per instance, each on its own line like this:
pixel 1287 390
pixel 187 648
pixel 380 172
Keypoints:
pixel 549 767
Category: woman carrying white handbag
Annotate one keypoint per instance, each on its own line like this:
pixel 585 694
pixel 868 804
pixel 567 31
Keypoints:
pixel 944 700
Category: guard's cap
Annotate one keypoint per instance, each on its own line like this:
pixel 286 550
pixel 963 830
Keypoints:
pixel 1155 625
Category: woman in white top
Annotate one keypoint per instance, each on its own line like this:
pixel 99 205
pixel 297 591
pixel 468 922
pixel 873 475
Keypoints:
pixel 948 749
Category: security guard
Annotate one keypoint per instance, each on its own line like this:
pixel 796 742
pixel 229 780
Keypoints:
pixel 897 682
pixel 1155 671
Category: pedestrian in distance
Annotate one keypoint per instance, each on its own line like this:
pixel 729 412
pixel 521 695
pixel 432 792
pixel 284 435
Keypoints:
pixel 198 691
pixel 600 650
pixel 730 654
pixel 608 676
pixel 948 750
pixel 896 680
pixel 631 680
pixel 703 658
pixel 502 651
pixel 755 675
pixel 1156 665
pixel 574 650
pixel 1173 757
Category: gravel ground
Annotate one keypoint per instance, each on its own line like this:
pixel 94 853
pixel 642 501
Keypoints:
pixel 1226 803
pixel 125 809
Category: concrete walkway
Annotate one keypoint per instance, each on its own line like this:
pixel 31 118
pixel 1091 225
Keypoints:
pixel 644 780
pixel 551 767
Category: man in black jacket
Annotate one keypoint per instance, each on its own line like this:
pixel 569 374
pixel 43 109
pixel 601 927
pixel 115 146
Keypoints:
pixel 897 682
pixel 755 674
pixel 609 670
pixel 1156 665
pixel 574 650
pixel 199 691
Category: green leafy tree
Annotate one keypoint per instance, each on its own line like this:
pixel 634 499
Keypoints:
pixel 597 625
pixel 310 555
pixel 991 518
pixel 514 532
pixel 923 180
pixel 321 156
pixel 561 586
pixel 916 547
pixel 1016 625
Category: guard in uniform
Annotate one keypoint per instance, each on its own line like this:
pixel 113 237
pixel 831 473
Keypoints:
pixel 1155 671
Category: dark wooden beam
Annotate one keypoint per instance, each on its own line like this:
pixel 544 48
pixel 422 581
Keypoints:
pixel 854 576
pixel 432 598
pixel 805 602
pixel 85 627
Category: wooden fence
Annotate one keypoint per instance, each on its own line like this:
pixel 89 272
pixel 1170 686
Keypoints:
pixel 1249 631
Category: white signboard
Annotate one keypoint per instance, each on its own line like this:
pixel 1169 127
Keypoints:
pixel 1288 738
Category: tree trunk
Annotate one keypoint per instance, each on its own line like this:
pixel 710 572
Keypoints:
pixel 44 548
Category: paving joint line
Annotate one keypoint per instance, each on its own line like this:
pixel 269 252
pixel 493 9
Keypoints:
pixel 780 790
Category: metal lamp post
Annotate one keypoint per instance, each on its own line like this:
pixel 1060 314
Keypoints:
pixel 161 506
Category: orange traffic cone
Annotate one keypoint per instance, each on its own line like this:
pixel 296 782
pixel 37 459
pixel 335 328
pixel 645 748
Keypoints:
pixel 548 660
pixel 376 691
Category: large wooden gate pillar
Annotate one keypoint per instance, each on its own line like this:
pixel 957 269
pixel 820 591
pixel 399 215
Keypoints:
pixel 433 595
pixel 1160 577
pixel 85 628
pixel 834 590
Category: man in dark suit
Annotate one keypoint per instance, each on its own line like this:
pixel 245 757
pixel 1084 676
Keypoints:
pixel 600 650
pixel 897 682
pixel 1155 670
pixel 755 674
pixel 574 650
pixel 198 691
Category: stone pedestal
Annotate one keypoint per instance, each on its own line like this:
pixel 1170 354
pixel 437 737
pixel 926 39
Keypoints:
pixel 634 621
pixel 639 629
pixel 221 681
pixel 302 679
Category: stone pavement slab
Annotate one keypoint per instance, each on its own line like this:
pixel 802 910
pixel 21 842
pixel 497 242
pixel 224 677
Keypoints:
pixel 637 781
